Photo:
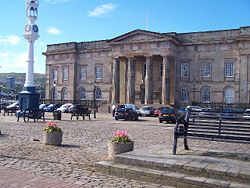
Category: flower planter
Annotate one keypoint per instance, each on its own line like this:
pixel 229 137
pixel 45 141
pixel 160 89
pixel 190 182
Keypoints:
pixel 115 148
pixel 53 138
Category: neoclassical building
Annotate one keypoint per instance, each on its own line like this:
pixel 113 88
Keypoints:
pixel 145 67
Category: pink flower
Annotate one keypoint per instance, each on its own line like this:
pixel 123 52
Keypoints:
pixel 51 124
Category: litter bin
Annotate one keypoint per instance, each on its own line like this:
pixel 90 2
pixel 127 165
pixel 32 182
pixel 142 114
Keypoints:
pixel 57 115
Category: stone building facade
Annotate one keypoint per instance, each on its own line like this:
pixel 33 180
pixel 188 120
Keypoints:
pixel 146 67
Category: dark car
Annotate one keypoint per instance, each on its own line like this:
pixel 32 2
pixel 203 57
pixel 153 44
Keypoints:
pixel 51 107
pixel 167 114
pixel 126 114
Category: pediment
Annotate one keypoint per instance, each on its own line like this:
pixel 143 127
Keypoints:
pixel 137 36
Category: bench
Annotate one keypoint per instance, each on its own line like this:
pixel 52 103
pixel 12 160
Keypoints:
pixel 192 126
pixel 9 111
pixel 34 114
pixel 80 110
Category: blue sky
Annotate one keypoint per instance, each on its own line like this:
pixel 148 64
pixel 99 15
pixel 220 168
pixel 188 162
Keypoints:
pixel 62 21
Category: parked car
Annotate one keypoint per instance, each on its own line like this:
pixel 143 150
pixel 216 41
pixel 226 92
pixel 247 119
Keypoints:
pixel 51 107
pixel 127 105
pixel 147 111
pixel 246 114
pixel 126 112
pixel 65 108
pixel 194 108
pixel 13 106
pixel 181 111
pixel 167 114
pixel 157 111
pixel 229 113
pixel 42 106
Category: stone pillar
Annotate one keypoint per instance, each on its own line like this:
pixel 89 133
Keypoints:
pixel 116 81
pixel 148 82
pixel 243 92
pixel 165 81
pixel 131 80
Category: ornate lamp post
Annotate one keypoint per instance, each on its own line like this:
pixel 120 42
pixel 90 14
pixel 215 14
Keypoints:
pixel 29 98
pixel 53 92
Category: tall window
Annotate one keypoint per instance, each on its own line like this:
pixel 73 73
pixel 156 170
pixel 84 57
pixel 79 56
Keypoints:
pixel 98 73
pixel 184 70
pixel 65 72
pixel 98 93
pixel 82 93
pixel 144 70
pixel 54 74
pixel 229 69
pixel 206 70
pixel 206 94
pixel 161 69
pixel 64 93
pixel 184 95
pixel 83 73
pixel 229 95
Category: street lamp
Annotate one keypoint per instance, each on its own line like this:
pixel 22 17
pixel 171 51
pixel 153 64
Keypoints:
pixel 54 92
pixel 94 99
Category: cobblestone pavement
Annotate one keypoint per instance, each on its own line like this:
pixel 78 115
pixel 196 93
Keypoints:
pixel 84 143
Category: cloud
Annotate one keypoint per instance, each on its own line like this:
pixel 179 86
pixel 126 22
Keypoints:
pixel 10 40
pixel 53 31
pixel 13 62
pixel 102 10
pixel 56 1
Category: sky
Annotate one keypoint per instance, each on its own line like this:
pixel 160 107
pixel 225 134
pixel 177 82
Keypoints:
pixel 63 21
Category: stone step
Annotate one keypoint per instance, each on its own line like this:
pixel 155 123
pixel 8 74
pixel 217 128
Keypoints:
pixel 163 177
pixel 199 166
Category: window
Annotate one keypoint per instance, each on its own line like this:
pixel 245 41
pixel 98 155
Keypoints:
pixel 54 74
pixel 161 70
pixel 98 73
pixel 184 70
pixel 64 93
pixel 53 93
pixel 83 73
pixel 229 69
pixel 229 95
pixel 184 95
pixel 65 71
pixel 206 69
pixel 98 93
pixel 206 94
pixel 82 93
pixel 144 70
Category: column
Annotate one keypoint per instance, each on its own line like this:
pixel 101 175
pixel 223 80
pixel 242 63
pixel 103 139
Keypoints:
pixel 148 82
pixel 116 81
pixel 131 80
pixel 243 89
pixel 165 81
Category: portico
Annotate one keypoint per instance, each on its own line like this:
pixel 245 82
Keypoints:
pixel 144 79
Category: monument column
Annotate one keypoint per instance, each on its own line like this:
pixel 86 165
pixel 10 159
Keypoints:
pixel 165 81
pixel 116 81
pixel 148 82
pixel 131 80
pixel 29 98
